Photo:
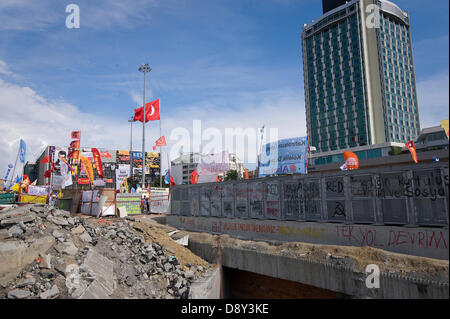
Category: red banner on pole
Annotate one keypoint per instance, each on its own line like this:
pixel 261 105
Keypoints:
pixel 412 148
pixel 98 162
pixel 76 135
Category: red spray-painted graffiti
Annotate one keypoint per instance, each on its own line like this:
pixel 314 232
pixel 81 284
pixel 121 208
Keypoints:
pixel 364 236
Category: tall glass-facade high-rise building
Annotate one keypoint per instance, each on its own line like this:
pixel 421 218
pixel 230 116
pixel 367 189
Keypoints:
pixel 360 87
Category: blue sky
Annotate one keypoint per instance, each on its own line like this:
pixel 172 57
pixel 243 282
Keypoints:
pixel 228 63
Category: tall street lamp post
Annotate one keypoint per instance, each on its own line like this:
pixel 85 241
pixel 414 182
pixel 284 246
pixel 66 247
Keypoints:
pixel 143 68
pixel 131 120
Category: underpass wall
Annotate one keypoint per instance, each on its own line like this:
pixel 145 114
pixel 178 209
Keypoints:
pixel 420 241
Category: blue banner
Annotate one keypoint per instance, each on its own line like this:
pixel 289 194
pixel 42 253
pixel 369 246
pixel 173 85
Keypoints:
pixel 10 166
pixel 137 155
pixel 287 156
pixel 22 151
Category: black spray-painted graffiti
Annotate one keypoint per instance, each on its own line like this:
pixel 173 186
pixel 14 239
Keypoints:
pixel 339 210
pixel 422 185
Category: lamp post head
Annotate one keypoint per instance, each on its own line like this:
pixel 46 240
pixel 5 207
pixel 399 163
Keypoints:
pixel 144 68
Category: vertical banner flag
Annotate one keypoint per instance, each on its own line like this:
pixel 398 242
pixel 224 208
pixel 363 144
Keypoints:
pixel 74 151
pixel 194 177
pixel 22 151
pixel 166 178
pixel 283 157
pixel 351 160
pixel 76 135
pixel 98 162
pixel 444 125
pixel 410 145
pixel 88 168
pixel 10 166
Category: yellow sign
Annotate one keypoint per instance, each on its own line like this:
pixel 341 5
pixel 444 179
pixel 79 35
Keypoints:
pixel 125 153
pixel 152 160
pixel 444 125
pixel 33 199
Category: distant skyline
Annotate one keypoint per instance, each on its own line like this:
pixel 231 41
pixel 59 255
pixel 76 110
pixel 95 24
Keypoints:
pixel 226 63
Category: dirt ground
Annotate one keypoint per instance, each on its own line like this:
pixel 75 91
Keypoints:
pixel 153 233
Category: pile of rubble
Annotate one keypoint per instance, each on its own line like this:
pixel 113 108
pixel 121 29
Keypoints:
pixel 47 253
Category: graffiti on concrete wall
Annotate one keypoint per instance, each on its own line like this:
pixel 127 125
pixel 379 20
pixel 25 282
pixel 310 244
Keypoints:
pixel 355 235
pixel 415 197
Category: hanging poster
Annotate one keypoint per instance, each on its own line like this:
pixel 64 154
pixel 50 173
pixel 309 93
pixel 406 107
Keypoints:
pixel 284 157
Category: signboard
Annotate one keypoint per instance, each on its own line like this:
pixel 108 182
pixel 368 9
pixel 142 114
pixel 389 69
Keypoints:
pixel 284 157
pixel 38 190
pixel 62 176
pixel 123 171
pixel 137 155
pixel 152 160
pixel 131 202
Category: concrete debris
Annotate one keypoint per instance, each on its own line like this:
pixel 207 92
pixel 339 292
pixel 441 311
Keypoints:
pixel 53 292
pixel 19 294
pixel 48 253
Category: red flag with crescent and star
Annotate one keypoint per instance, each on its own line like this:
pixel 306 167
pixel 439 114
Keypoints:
pixel 161 141
pixel 151 110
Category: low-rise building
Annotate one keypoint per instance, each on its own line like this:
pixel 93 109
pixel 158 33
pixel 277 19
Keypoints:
pixel 182 167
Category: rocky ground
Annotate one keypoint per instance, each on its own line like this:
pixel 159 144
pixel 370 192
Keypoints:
pixel 76 256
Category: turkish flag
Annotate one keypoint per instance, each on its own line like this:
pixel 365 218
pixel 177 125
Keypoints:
pixel 45 160
pixel 172 182
pixel 47 173
pixel 194 177
pixel 161 141
pixel 412 148
pixel 151 110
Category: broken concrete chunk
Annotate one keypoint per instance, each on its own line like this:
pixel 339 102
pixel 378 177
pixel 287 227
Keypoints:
pixel 46 261
pixel 16 220
pixel 78 230
pixel 57 234
pixel 18 294
pixel 86 237
pixel 26 282
pixel 67 247
pixel 189 274
pixel 50 293
pixel 58 220
pixel 15 231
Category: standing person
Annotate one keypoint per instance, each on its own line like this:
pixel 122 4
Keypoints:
pixel 147 201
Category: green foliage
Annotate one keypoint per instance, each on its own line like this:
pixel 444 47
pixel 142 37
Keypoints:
pixel 232 175
pixel 395 150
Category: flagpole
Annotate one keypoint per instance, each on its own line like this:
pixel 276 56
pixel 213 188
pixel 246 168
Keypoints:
pixel 260 147
pixel 160 148
pixel 14 169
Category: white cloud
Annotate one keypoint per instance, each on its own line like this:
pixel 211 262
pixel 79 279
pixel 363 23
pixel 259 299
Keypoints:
pixel 40 122
pixel 433 99
pixel 32 15
pixel 4 68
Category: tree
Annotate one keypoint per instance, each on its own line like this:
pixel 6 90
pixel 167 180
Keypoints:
pixel 232 175
pixel 395 150
pixel 133 181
